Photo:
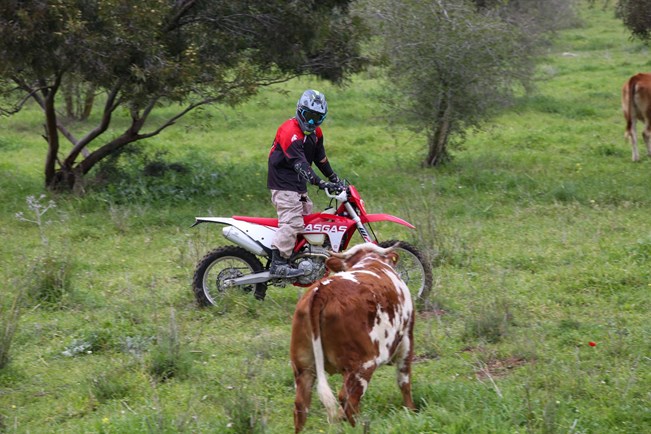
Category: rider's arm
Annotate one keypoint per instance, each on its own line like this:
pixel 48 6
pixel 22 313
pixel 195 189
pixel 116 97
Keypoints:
pixel 321 160
pixel 305 171
pixel 326 169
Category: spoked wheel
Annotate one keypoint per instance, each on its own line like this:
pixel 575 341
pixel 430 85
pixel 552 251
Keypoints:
pixel 219 265
pixel 413 269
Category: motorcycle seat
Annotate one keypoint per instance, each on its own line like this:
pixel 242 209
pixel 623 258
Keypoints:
pixel 273 222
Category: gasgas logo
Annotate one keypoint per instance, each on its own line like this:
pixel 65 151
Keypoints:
pixel 328 228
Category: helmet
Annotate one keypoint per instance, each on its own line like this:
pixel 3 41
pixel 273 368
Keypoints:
pixel 311 110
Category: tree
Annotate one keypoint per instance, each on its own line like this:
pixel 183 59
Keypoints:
pixel 636 17
pixel 451 64
pixel 448 66
pixel 139 56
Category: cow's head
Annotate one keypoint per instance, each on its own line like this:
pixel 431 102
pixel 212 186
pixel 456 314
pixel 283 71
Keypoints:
pixel 344 261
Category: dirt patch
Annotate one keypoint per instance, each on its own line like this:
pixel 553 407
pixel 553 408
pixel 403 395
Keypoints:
pixel 428 313
pixel 499 368
pixel 424 357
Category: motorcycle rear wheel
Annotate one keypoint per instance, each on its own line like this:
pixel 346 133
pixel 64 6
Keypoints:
pixel 414 270
pixel 220 264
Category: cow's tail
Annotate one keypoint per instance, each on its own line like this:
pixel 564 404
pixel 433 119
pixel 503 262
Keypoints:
pixel 326 396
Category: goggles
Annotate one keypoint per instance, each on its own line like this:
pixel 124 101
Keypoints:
pixel 312 117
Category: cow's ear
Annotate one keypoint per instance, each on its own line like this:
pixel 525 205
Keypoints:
pixel 335 264
pixel 393 257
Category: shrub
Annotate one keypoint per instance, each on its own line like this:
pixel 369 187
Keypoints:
pixel 51 279
pixel 168 358
pixel 113 384
pixel 491 323
pixel 245 413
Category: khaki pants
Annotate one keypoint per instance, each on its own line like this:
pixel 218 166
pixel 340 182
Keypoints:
pixel 290 209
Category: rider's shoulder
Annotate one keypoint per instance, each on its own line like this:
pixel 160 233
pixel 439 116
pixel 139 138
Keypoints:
pixel 290 131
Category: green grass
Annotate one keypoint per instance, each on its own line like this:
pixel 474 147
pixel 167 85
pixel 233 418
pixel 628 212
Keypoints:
pixel 538 229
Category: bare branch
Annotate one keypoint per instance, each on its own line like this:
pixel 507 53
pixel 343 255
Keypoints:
pixel 29 93
pixel 182 7
pixel 209 100
pixel 112 103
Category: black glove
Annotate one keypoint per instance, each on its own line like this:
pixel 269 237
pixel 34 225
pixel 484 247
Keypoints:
pixel 332 187
pixel 334 178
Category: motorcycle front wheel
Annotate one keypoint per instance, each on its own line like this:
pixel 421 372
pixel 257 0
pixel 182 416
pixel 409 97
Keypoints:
pixel 413 269
pixel 223 263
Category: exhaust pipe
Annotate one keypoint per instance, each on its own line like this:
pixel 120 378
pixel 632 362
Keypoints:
pixel 241 239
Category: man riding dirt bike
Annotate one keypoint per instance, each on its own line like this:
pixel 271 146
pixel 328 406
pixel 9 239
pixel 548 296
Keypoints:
pixel 245 267
pixel 295 245
pixel 298 144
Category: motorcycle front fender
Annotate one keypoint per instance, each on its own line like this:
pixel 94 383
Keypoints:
pixel 372 218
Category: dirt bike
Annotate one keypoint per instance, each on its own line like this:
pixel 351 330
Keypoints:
pixel 239 267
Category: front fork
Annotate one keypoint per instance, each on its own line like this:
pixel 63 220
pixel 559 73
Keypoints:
pixel 358 222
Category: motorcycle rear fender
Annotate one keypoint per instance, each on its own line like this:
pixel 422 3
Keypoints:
pixel 258 234
pixel 371 218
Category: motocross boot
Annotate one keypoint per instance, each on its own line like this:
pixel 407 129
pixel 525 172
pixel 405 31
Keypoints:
pixel 280 266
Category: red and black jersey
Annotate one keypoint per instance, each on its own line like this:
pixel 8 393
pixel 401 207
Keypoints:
pixel 291 157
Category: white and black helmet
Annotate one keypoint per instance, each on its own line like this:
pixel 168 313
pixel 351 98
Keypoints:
pixel 311 110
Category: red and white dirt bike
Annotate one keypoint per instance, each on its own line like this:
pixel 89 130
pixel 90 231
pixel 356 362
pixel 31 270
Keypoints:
pixel 239 267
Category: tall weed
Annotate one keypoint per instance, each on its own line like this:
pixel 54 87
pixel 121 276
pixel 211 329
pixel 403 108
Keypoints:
pixel 169 358
pixel 9 319
pixel 50 273
pixel 489 322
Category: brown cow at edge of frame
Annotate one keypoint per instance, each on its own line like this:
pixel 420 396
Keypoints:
pixel 351 322
pixel 636 104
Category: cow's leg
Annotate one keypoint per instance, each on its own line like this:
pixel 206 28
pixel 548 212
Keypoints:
pixel 343 395
pixel 647 137
pixel 403 370
pixel 632 135
pixel 304 379
pixel 354 387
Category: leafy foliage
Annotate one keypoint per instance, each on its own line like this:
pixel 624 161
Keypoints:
pixel 636 17
pixel 453 64
pixel 142 55
pixel 448 67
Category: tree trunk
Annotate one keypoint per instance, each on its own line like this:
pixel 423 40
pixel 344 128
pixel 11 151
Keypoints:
pixel 89 100
pixel 51 132
pixel 67 179
pixel 437 140
pixel 78 98
pixel 70 177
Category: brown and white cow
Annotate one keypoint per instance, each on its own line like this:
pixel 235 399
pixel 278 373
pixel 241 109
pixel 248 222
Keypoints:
pixel 636 104
pixel 351 322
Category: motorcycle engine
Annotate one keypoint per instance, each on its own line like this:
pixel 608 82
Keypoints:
pixel 312 262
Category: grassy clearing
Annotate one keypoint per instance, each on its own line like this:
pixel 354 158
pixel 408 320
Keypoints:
pixel 539 233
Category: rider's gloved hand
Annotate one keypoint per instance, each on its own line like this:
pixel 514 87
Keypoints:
pixel 341 185
pixel 334 178
pixel 333 187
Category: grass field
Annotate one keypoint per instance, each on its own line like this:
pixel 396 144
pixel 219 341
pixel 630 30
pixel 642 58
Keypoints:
pixel 538 230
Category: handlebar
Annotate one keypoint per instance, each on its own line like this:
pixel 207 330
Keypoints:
pixel 340 195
